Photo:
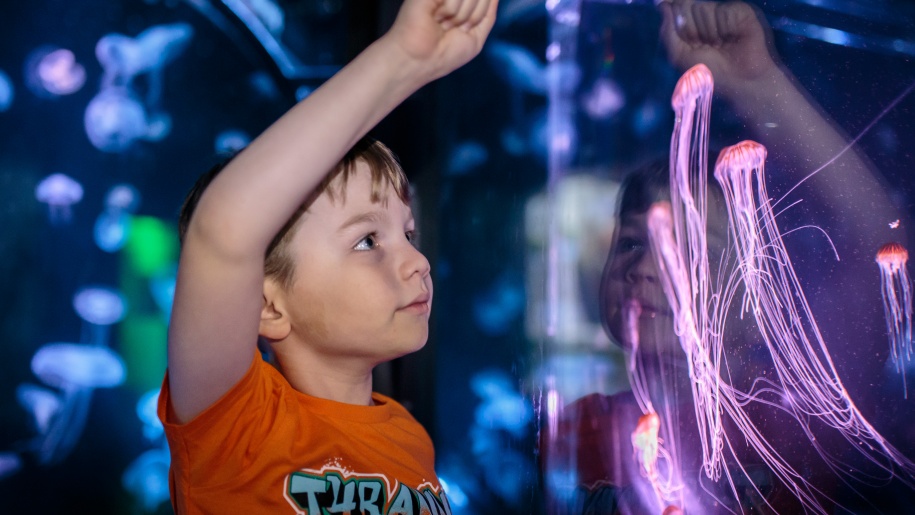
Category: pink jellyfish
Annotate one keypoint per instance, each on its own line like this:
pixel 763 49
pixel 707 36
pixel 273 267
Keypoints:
pixel 897 303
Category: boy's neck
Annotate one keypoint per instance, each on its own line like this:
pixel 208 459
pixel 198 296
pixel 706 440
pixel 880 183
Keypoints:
pixel 329 379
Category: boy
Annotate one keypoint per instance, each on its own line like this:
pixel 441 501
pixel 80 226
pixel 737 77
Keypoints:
pixel 342 290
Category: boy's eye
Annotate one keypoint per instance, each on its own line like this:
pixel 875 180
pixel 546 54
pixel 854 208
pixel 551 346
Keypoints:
pixel 367 243
pixel 626 244
pixel 411 236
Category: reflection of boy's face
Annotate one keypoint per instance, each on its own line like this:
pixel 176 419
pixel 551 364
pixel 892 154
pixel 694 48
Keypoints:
pixel 630 280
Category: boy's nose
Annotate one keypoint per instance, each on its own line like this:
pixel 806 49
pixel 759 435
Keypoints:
pixel 643 269
pixel 414 262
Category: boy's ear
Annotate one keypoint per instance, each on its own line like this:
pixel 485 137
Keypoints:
pixel 274 323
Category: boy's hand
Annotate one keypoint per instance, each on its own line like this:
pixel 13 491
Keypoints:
pixel 442 35
pixel 729 38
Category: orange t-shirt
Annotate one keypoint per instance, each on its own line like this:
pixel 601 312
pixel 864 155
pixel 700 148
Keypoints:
pixel 267 448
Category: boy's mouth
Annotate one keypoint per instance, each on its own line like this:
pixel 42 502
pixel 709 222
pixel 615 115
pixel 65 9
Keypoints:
pixel 421 304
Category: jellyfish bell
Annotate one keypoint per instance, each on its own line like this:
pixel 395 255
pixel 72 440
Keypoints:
pixel 123 197
pixel 99 305
pixel 893 256
pixel 59 192
pixel 42 403
pixel 115 119
pixel 111 230
pixel 72 365
pixel 52 72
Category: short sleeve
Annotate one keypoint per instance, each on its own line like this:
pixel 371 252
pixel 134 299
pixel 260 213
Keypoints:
pixel 220 443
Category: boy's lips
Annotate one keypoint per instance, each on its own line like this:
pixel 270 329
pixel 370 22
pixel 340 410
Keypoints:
pixel 420 304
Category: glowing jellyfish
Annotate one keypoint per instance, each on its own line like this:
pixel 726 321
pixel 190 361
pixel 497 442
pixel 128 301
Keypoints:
pixel 42 403
pixel 72 365
pixel 99 305
pixel 59 192
pixel 115 119
pixel 231 141
pixel 645 445
pixel 6 91
pixel 162 288
pixel 147 478
pixel 111 230
pixel 76 369
pixel 520 67
pixel 896 287
pixel 123 58
pixel 122 197
pixel 146 411
pixel 604 100
pixel 806 383
pixel 466 156
pixel 54 72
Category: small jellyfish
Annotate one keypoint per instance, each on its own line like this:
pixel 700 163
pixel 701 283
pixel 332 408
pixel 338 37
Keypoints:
pixel 231 141
pixel 73 365
pixel 466 156
pixel 42 403
pixel 76 369
pixel 896 287
pixel 147 478
pixel 59 192
pixel 111 230
pixel 645 445
pixel 6 92
pixel 162 288
pixel 604 100
pixel 52 72
pixel 146 411
pixel 115 119
pixel 495 309
pixel 123 197
pixel 99 305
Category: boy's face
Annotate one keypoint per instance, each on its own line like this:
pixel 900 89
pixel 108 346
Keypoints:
pixel 630 280
pixel 361 289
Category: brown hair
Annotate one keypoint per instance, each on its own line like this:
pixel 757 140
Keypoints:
pixel 386 172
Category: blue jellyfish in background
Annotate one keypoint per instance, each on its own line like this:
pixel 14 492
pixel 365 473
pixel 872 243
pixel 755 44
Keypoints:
pixel 99 307
pixel 113 224
pixel 124 58
pixel 146 411
pixel 52 72
pixel 466 156
pixel 118 115
pixel 6 91
pixel 59 192
pixel 604 99
pixel 519 67
pixel 162 288
pixel 147 476
pixel 76 369
pixel 231 141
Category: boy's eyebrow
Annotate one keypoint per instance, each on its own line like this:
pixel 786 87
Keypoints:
pixel 371 216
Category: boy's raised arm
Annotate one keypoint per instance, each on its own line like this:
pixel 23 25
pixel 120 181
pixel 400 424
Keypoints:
pixel 219 290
